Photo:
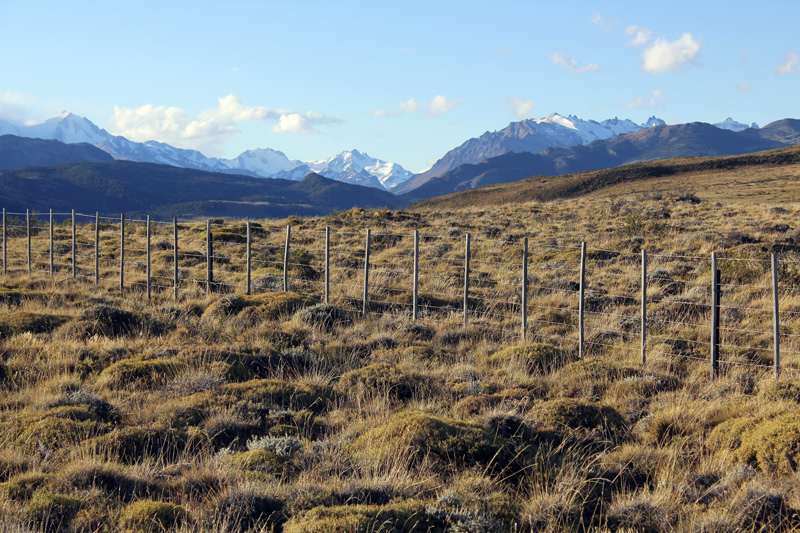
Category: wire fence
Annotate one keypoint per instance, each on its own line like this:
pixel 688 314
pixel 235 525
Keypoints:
pixel 728 310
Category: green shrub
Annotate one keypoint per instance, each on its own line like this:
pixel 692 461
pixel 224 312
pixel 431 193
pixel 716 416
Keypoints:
pixel 241 509
pixel 133 444
pixel 53 512
pixel 140 371
pixel 22 322
pixel 572 414
pixel 419 434
pixel 772 445
pixel 326 317
pixel 378 379
pixel 280 393
pixel 109 321
pixel 268 306
pixel 538 357
pixel 410 516
pixel 146 516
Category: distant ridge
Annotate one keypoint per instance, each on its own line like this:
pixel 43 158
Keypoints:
pixel 20 152
pixel 531 135
pixel 165 191
pixel 659 142
pixel 545 188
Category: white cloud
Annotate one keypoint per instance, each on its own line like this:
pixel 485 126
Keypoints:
pixel 440 105
pixel 295 123
pixel 15 105
pixel 790 65
pixel 520 107
pixel 664 56
pixel 210 128
pixel 409 106
pixel 744 87
pixel 653 101
pixel 640 35
pixel 437 107
pixel 570 63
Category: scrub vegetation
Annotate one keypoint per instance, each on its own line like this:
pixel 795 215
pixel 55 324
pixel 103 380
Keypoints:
pixel 277 412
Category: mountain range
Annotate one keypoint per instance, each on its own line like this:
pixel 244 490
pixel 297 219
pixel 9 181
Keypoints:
pixel 647 144
pixel 531 135
pixel 350 166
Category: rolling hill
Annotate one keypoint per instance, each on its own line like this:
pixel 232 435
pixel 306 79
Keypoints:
pixel 770 175
pixel 164 191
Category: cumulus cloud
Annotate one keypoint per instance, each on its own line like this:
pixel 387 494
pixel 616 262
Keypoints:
pixel 653 101
pixel 664 56
pixel 570 63
pixel 437 107
pixel 440 105
pixel 520 107
pixel 15 105
pixel 790 64
pixel 210 128
pixel 640 35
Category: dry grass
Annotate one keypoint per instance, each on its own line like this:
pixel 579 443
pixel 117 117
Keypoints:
pixel 271 412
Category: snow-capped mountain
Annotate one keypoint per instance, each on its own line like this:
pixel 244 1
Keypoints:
pixel 730 124
pixel 261 162
pixel 532 135
pixel 354 163
pixel 350 167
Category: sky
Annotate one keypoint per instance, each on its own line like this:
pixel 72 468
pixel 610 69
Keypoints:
pixel 404 81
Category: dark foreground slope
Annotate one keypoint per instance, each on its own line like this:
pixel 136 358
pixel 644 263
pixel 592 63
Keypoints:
pixel 20 152
pixel 165 191
pixel 740 171
pixel 660 142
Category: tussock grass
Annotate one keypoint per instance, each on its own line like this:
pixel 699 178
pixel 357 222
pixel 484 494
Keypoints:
pixel 274 412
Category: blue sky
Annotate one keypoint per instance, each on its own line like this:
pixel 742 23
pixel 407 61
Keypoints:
pixel 404 81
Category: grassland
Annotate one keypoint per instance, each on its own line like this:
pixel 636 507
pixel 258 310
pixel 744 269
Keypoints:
pixel 272 412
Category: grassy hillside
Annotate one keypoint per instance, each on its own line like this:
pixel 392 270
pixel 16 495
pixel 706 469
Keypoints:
pixel 271 412
pixel 769 176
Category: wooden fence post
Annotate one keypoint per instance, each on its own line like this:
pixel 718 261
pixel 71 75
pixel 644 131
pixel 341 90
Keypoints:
pixel 286 259
pixel 776 316
pixel 466 278
pixel 74 257
pixel 175 256
pixel 147 255
pixel 5 243
pixel 122 252
pixel 581 291
pixel 28 232
pixel 96 248
pixel 524 288
pixel 414 312
pixel 644 306
pixel 327 264
pixel 209 258
pixel 51 243
pixel 247 259
pixel 365 304
pixel 714 316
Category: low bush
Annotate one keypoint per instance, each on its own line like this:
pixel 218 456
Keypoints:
pixel 451 442
pixel 147 516
pixel 541 358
